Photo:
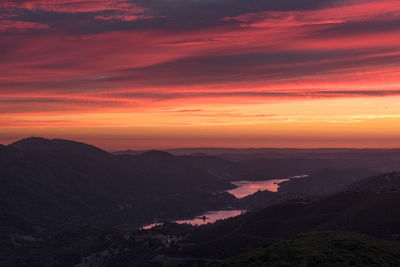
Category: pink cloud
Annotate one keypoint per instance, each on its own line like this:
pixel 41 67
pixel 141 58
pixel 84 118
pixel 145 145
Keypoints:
pixel 74 6
pixel 121 9
pixel 122 17
pixel 353 12
pixel 6 25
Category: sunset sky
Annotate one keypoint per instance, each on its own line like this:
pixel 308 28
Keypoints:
pixel 137 74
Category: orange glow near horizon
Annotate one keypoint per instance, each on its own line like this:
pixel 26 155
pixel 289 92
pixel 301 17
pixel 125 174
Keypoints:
pixel 132 75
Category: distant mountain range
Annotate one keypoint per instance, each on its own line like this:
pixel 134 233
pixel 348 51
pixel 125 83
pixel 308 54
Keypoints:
pixel 308 160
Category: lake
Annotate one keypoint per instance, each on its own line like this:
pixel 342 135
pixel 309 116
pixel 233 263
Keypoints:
pixel 208 217
pixel 246 188
pixel 149 226
pixel 212 216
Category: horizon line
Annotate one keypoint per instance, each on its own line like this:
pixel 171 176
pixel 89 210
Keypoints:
pixel 208 147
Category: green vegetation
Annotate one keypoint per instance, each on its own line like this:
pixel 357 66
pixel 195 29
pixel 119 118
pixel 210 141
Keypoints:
pixel 323 249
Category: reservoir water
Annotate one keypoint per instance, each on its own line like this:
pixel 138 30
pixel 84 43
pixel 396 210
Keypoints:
pixel 208 217
pixel 212 216
pixel 244 188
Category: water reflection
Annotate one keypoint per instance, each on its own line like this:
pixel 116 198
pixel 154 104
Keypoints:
pixel 246 188
pixel 208 217
pixel 212 216
pixel 147 227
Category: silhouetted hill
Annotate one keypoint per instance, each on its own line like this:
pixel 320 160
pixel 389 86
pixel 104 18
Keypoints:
pixel 260 199
pixel 166 171
pixel 220 167
pixel 323 249
pixel 380 160
pixel 325 182
pixel 389 182
pixel 58 184
pixel 330 172
pixel 264 169
pixel 256 169
pixel 363 212
pixel 272 163
pixel 156 155
pixel 129 152
pixel 56 145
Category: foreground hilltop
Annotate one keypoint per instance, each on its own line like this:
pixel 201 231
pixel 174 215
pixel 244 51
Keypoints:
pixel 323 249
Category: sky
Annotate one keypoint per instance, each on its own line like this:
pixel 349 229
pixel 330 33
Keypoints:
pixel 139 74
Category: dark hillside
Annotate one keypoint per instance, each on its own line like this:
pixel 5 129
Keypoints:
pixel 58 184
pixel 323 249
pixel 369 213
pixel 325 182
pixel 380 184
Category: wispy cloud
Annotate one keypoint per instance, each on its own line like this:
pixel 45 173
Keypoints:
pixel 73 6
pixel 8 25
